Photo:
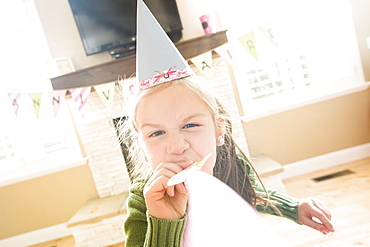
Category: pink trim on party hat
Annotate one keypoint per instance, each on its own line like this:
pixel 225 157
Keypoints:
pixel 165 76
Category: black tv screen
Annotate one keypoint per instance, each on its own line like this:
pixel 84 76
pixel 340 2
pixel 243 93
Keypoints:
pixel 110 25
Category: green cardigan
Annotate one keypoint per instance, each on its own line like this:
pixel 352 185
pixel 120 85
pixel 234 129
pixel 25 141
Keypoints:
pixel 141 229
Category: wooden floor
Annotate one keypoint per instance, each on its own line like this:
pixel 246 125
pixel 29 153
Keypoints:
pixel 347 196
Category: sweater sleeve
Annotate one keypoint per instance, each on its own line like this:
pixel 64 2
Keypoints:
pixel 165 232
pixel 141 229
pixel 288 206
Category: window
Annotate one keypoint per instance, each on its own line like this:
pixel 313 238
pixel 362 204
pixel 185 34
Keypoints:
pixel 25 55
pixel 30 144
pixel 290 52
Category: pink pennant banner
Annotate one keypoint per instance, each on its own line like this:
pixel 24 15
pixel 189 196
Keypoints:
pixel 226 51
pixel 15 100
pixel 56 99
pixel 80 96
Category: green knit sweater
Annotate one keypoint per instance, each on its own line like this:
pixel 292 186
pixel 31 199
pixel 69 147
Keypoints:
pixel 141 229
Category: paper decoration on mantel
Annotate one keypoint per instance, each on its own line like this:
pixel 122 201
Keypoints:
pixel 36 102
pixel 14 99
pixel 80 96
pixel 56 99
pixel 204 64
pixel 106 93
pixel 270 32
pixel 64 65
pixel 249 43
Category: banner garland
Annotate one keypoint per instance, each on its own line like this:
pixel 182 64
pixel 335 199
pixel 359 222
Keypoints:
pixel 56 99
pixel 36 102
pixel 14 99
pixel 249 43
pixel 80 95
pixel 106 91
pixel 106 94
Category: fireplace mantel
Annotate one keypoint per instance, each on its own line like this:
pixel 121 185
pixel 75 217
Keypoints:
pixel 109 71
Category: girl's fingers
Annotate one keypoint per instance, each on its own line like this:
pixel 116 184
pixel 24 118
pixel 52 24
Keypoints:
pixel 160 177
pixel 170 190
pixel 163 201
pixel 165 169
pixel 316 215
pixel 323 208
pixel 323 219
pixel 180 188
pixel 308 221
pixel 156 188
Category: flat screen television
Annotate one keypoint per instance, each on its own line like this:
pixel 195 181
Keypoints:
pixel 110 25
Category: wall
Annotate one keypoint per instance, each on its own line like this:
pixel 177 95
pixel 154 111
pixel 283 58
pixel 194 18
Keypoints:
pixel 312 130
pixel 53 199
pixel 320 128
pixel 44 201
pixel 99 140
pixel 62 34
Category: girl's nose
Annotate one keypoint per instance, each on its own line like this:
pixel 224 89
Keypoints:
pixel 176 144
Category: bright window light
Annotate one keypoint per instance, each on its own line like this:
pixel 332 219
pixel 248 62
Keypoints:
pixel 30 143
pixel 304 50
pixel 25 54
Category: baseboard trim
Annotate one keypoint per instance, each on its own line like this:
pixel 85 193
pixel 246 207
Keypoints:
pixel 326 160
pixel 38 236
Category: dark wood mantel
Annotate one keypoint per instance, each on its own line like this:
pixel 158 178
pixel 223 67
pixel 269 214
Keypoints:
pixel 108 72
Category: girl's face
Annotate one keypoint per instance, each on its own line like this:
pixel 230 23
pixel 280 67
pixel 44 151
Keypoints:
pixel 175 126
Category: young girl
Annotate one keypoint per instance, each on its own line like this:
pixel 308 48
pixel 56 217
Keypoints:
pixel 171 126
pixel 173 121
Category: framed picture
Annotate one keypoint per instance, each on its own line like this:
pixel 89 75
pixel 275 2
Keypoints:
pixel 64 65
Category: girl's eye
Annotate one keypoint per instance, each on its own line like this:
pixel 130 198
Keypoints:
pixel 190 126
pixel 157 133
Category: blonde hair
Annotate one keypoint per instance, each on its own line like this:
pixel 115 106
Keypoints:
pixel 229 168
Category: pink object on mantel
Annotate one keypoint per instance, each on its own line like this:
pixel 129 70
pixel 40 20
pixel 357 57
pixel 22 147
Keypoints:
pixel 206 24
pixel 219 217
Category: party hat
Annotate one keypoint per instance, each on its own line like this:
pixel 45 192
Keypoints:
pixel 157 58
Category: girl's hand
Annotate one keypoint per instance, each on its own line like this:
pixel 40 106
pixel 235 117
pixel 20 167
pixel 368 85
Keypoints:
pixel 314 213
pixel 165 202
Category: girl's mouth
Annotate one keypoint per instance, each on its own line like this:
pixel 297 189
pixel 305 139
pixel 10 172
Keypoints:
pixel 181 176
pixel 185 163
